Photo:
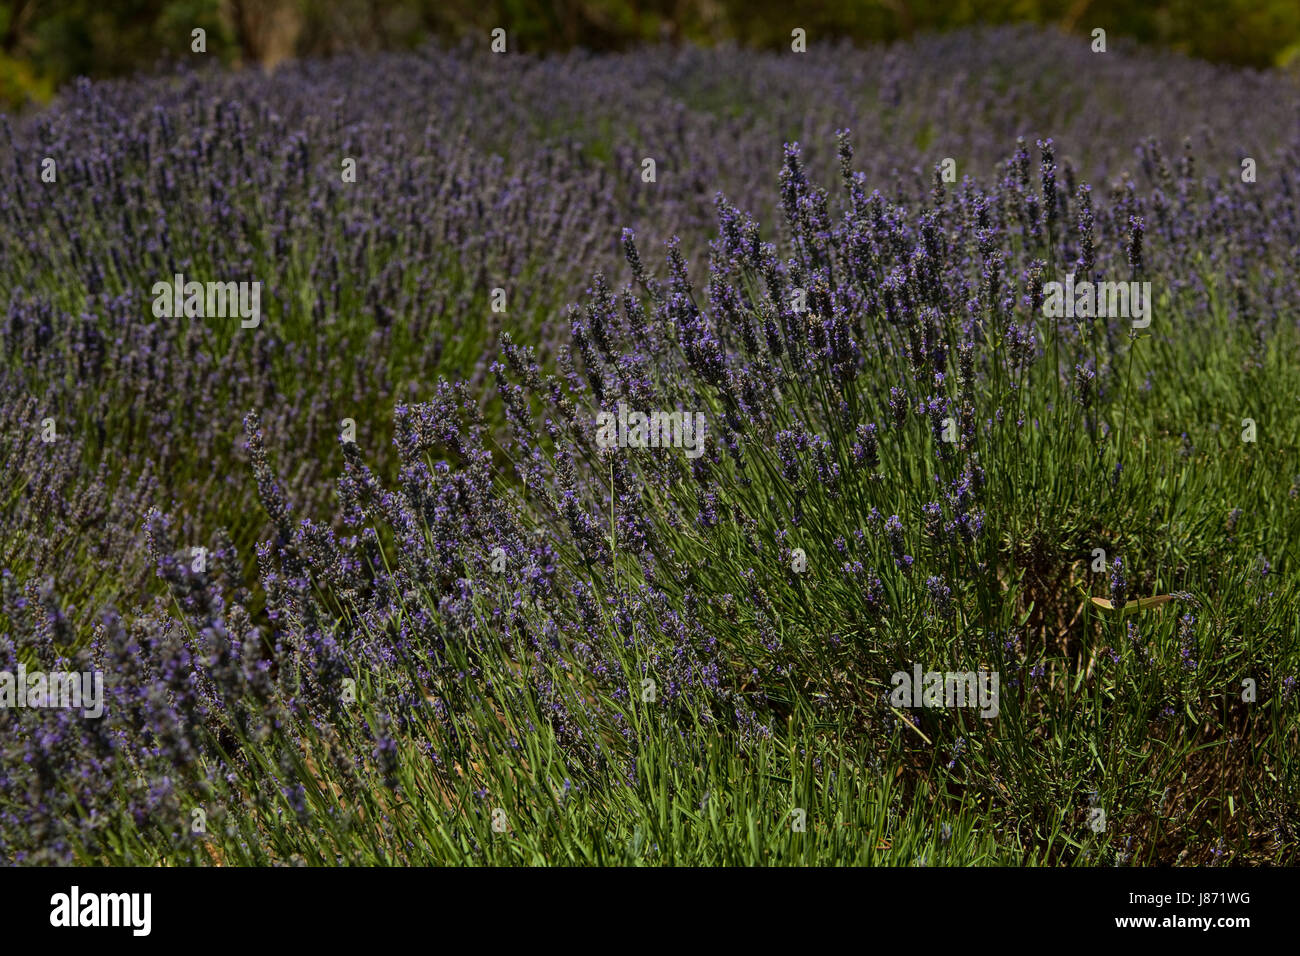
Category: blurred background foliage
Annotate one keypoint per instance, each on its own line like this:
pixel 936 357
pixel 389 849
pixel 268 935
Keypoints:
pixel 46 43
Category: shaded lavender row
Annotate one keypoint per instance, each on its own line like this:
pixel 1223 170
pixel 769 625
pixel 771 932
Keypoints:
pixel 479 171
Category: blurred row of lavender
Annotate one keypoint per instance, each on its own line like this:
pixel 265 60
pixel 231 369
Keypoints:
pixel 478 172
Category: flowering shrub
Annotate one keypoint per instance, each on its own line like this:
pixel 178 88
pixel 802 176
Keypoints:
pixel 468 630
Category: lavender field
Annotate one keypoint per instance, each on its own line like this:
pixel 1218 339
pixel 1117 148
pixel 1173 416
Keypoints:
pixel 978 356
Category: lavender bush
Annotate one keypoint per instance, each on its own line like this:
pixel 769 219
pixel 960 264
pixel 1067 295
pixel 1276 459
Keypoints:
pixel 476 634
